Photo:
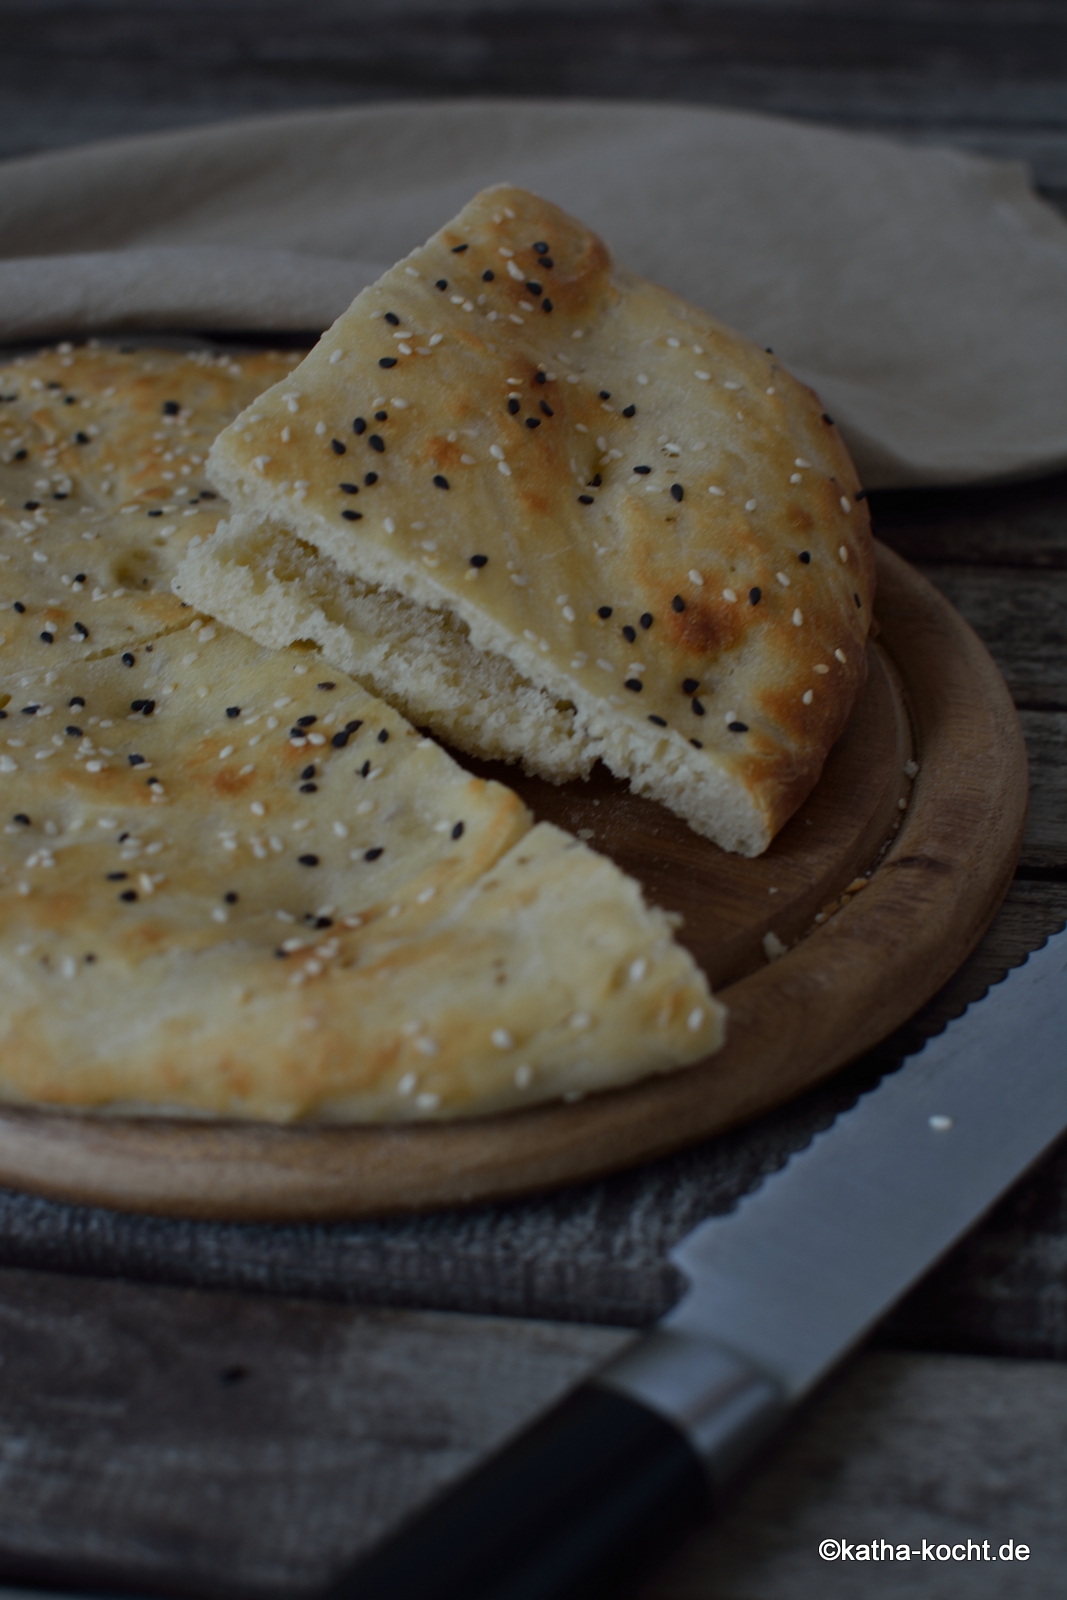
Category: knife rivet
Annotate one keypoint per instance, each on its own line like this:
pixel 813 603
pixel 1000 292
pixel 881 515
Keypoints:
pixel 941 1124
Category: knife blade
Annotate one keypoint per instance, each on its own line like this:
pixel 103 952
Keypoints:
pixel 779 1291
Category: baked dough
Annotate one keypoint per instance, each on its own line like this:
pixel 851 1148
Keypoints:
pixel 557 514
pixel 233 883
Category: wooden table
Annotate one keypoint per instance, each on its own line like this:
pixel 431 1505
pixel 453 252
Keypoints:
pixel 255 1441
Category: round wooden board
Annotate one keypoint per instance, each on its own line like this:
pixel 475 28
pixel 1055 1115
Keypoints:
pixel 942 866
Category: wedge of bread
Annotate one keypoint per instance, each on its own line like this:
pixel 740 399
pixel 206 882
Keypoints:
pixel 557 514
pixel 233 883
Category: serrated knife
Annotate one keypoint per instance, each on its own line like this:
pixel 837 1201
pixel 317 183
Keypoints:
pixel 779 1291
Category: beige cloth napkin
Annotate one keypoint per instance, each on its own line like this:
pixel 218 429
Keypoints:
pixel 921 291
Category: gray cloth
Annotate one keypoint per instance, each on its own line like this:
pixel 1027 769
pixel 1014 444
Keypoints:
pixel 920 291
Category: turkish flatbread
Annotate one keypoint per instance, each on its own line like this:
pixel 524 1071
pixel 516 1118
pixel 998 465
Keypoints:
pixel 233 883
pixel 557 514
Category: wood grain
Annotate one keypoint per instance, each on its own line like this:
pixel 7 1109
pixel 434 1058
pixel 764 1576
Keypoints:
pixel 838 992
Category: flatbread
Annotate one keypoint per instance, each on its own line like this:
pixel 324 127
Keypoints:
pixel 233 883
pixel 557 514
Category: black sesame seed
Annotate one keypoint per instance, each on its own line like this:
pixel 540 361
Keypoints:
pixel 442 283
pixel 295 732
pixel 825 418
pixel 533 422
pixel 79 577
pixel 534 288
pixel 323 922
pixel 46 637
pixel 352 516
pixel 458 249
pixel 539 377
pixel 230 897
pixel 604 612
pixel 308 861
pixel 392 318
pixel 546 304
pixel 353 727
pixel 585 499
pixel 359 426
pixel 755 595
pixel 369 478
pixel 148 708
pixel 135 761
pixel 81 438
pixel 67 497
pixel 208 494
pixel 231 711
pixel 659 721
pixel 337 447
pixel 171 408
pixel 18 606
pixel 629 411
pixel 381 416
pixel 30 711
pixel 644 471
pixel 383 737
pixel 76 700
pixel 308 772
pixel 80 628
pixel 861 494
pixel 629 633
pixel 487 277
pixel 479 561
pixel 128 658
pixel 20 455
pixel 541 247
pixel 376 442
pixel 513 406
pixel 116 877
pixel 635 684
pixel 677 492
pixel 136 705
pixel 340 739
pixel 646 619
pixel 857 599
pixel 364 769
pixel 440 482
pixel 372 855
pixel 596 481
pixel 605 394
pixel 306 722
pixel 3 716
pixel 154 513
pixel 31 505
pixel 457 831
pixel 805 556
pixel 128 894
pixel 281 955
pixel 387 361
pixel 690 685
pixel 309 788
pixel 698 709
pixel 68 399
pixel 74 732
pixel 546 408
pixel 737 727
pixel 20 816
pixel 677 604
pixel 326 686
pixel 696 744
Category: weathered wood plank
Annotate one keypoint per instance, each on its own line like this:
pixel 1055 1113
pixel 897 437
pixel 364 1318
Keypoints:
pixel 237 1443
pixel 1045 842
pixel 903 1448
pixel 1001 525
pixel 988 77
pixel 1021 618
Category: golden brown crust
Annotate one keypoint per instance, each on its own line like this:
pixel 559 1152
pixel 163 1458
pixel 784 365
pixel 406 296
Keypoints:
pixel 670 527
pixel 235 884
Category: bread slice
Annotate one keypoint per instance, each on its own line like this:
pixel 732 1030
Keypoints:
pixel 600 522
pixel 233 883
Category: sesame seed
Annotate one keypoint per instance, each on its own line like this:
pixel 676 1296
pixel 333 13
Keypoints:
pixel 387 361
pixel 755 596
pixel 629 633
pixel 583 500
pixel 737 727
pixel 646 619
pixel 635 684
pixel 439 481
pixel 457 831
pixel 840 654
pixel 659 721
pixel 698 708
pixel 677 604
pixel 376 442
pixel 308 861
pixel 805 556
pixel 337 447
pixel 604 612
pixel 372 855
pixel 359 425
pixel 729 595
pixel 807 697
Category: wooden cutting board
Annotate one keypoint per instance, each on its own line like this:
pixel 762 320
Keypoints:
pixel 880 886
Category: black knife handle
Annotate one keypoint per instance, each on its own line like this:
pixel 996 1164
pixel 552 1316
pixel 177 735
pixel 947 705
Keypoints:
pixel 573 1509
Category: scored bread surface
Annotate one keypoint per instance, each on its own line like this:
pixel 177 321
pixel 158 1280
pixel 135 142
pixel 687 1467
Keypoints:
pixel 558 514
pixel 232 881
